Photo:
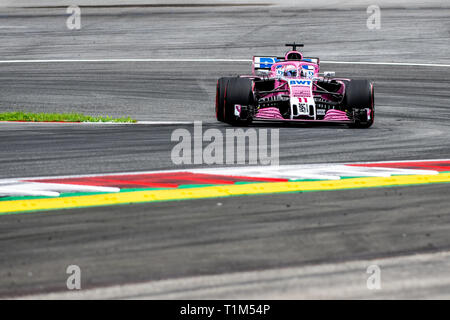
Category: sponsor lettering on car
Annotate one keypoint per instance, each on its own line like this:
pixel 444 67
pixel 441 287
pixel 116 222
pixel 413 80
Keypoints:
pixel 300 82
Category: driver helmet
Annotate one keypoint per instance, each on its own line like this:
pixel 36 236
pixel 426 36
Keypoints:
pixel 290 71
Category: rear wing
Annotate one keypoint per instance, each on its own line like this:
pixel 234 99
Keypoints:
pixel 312 60
pixel 262 65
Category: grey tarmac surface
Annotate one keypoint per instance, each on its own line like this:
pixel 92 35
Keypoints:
pixel 136 243
pixel 410 277
pixel 142 242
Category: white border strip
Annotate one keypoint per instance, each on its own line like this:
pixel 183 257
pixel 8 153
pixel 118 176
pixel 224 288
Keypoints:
pixel 412 64
pixel 124 60
pixel 98 123
pixel 13 27
pixel 389 63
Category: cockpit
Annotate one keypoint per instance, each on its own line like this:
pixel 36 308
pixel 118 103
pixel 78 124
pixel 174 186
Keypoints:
pixel 292 65
pixel 293 70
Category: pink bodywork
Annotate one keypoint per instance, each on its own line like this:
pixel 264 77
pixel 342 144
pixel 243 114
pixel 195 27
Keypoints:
pixel 297 91
pixel 269 113
pixel 336 115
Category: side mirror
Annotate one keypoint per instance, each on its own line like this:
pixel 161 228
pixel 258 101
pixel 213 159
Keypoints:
pixel 329 74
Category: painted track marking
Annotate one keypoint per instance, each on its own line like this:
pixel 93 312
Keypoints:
pixel 34 194
pixel 216 192
pixel 226 170
pixel 411 64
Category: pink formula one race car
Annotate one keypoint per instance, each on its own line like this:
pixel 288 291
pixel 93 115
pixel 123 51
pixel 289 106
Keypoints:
pixel 292 89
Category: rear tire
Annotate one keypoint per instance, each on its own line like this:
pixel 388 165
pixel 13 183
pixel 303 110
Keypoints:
pixel 359 96
pixel 238 91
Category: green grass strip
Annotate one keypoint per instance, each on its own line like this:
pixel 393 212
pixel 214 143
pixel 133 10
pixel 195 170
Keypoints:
pixel 58 117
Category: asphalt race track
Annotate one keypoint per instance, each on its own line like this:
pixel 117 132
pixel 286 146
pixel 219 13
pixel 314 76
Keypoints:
pixel 337 232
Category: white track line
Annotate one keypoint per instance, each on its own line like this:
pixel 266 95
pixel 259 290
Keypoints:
pixel 13 27
pixel 44 186
pixel 164 122
pixel 25 192
pixel 389 63
pixel 124 60
pixel 23 188
pixel 217 60
pixel 134 123
pixel 99 123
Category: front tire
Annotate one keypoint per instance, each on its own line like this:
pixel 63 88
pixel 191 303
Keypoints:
pixel 238 91
pixel 360 98
pixel 220 98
